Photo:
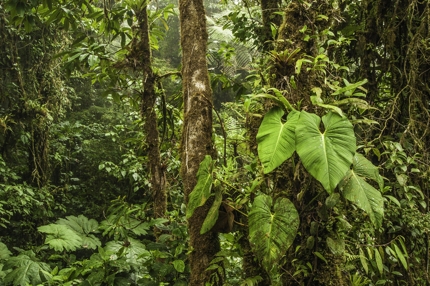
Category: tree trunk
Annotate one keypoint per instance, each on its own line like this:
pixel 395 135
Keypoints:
pixel 149 116
pixel 197 130
pixel 268 8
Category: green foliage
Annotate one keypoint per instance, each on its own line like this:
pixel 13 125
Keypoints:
pixel 68 152
pixel 133 250
pixel 212 215
pixel 326 154
pixel 124 218
pixel 4 252
pixel 26 269
pixel 60 237
pixel 356 189
pixel 272 228
pixel 336 245
pixel 202 190
pixel 276 140
pixel 380 261
pixel 83 227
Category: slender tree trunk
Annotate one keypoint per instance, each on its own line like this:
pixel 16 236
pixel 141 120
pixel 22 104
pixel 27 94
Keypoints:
pixel 197 130
pixel 149 115
pixel 268 8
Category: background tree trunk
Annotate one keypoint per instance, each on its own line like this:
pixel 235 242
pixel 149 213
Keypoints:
pixel 197 129
pixel 148 100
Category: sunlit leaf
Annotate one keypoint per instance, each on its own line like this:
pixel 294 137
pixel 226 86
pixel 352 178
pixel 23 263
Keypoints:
pixel 179 265
pixel 349 87
pixel 60 237
pixel 327 155
pixel 276 140
pixel 83 226
pixel 4 252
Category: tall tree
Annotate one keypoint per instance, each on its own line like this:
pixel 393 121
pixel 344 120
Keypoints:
pixel 148 100
pixel 197 130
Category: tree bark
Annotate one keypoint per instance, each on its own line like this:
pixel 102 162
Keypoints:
pixel 268 8
pixel 148 100
pixel 197 130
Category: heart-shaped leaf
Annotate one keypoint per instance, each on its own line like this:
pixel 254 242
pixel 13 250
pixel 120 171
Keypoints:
pixel 326 155
pixel 276 140
pixel 272 232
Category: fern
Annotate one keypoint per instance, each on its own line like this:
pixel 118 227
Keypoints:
pixel 26 270
pixel 351 257
pixel 60 237
pixel 220 33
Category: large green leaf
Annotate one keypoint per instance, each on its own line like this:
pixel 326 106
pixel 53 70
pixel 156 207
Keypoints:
pixel 135 251
pixel 365 168
pixel 4 252
pixel 272 232
pixel 366 197
pixel 26 270
pixel 80 224
pixel 202 190
pixel 327 155
pixel 83 226
pixel 276 140
pixel 60 237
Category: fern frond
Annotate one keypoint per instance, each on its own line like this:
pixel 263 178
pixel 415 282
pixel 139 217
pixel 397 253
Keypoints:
pixel 351 257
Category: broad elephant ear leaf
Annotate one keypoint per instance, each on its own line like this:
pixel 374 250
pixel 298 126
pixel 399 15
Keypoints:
pixel 202 190
pixel 364 168
pixel 271 233
pixel 355 189
pixel 326 155
pixel 276 140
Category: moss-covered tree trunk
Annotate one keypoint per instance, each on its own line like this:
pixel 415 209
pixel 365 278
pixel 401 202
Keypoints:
pixel 268 9
pixel 197 130
pixel 149 115
pixel 291 38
